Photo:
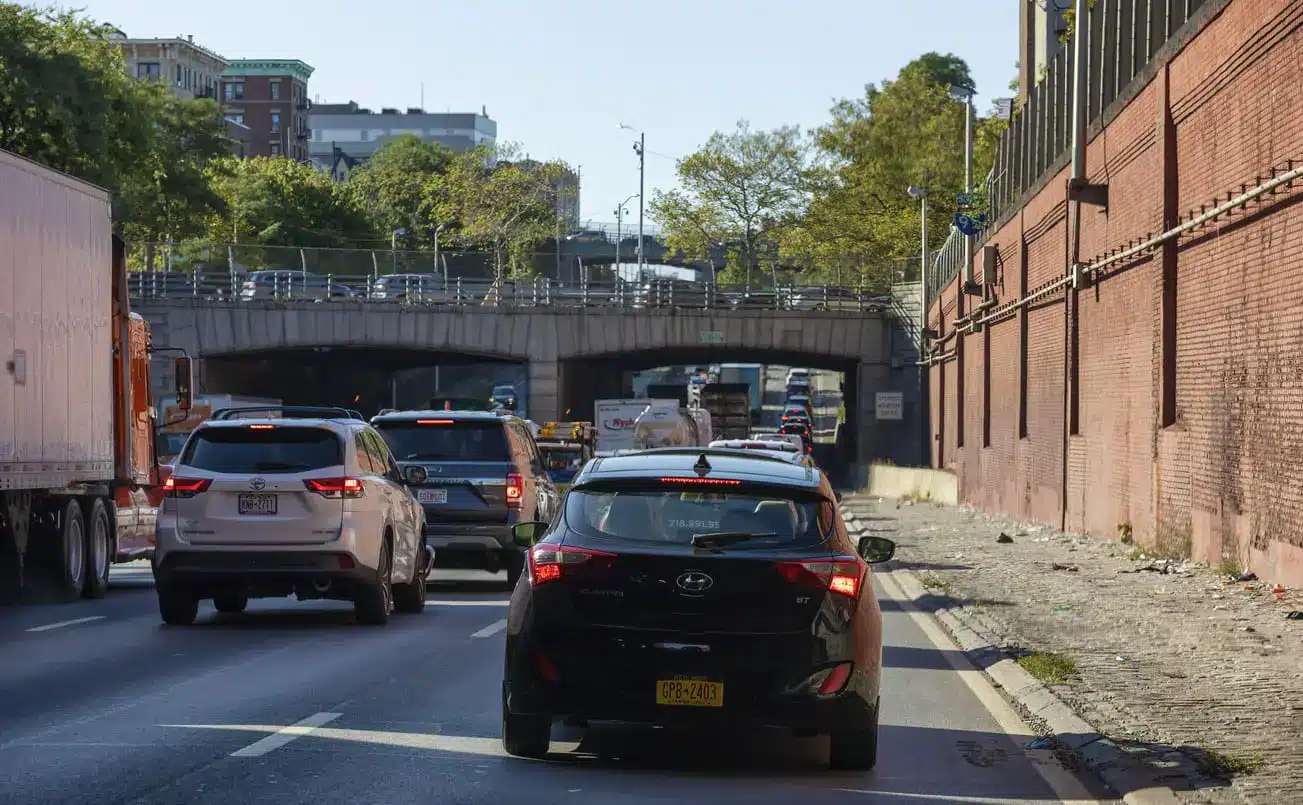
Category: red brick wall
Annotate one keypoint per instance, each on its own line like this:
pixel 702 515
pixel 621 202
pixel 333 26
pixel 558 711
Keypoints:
pixel 1220 480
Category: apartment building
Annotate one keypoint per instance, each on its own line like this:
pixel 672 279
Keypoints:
pixel 270 98
pixel 188 69
pixel 358 132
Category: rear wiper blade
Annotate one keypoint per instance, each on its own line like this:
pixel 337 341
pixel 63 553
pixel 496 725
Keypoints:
pixel 268 466
pixel 721 538
pixel 425 457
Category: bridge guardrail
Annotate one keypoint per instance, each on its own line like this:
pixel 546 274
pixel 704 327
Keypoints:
pixel 282 285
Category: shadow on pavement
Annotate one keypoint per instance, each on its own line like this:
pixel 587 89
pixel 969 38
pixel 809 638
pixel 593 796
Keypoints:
pixel 932 603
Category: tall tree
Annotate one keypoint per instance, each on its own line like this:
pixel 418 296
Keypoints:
pixel 393 188
pixel 740 189
pixel 67 101
pixel 499 204
pixel 909 131
pixel 279 202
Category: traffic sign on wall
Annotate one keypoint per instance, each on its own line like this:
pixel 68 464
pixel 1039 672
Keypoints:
pixel 889 405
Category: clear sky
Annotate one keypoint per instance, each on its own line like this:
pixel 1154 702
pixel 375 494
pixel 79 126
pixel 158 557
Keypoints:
pixel 558 77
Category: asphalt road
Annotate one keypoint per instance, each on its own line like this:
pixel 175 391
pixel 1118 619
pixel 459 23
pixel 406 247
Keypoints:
pixel 293 703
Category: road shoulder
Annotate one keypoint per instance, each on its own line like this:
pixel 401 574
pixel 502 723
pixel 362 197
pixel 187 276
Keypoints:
pixel 1144 770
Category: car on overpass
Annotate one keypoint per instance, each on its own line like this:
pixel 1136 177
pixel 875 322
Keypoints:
pixel 272 501
pixel 483 474
pixel 689 586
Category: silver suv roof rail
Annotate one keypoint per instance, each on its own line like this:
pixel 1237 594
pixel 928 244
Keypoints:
pixel 288 412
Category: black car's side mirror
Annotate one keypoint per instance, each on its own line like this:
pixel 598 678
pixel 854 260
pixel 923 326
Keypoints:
pixel 415 475
pixel 875 550
pixel 526 534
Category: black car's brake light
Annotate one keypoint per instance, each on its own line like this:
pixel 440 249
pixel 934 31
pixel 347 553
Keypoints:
pixel 842 575
pixel 702 481
pixel 175 487
pixel 826 681
pixel 549 562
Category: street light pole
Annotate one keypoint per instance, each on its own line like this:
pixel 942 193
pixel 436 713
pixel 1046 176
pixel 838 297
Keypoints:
pixel 640 147
pixel 965 94
pixel 642 190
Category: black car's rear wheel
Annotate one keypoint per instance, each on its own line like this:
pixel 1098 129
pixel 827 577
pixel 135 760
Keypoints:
pixel 515 567
pixel 525 736
pixel 856 750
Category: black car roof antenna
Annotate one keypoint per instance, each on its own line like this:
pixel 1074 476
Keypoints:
pixel 702 467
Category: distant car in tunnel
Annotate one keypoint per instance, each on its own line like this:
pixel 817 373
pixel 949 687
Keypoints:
pixel 801 429
pixel 793 412
pixel 503 395
pixel 803 401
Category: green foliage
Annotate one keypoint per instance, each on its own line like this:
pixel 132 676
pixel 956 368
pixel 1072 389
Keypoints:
pixel 67 101
pixel 1070 22
pixel 506 209
pixel 740 191
pixel 394 188
pixel 280 202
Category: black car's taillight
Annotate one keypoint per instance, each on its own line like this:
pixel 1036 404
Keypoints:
pixel 549 562
pixel 843 575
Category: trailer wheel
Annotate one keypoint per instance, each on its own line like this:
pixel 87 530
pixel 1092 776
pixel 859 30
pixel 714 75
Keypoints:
pixel 99 546
pixel 72 553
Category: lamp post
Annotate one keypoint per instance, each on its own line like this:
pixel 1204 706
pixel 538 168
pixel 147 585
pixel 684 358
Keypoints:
pixel 620 212
pixel 640 148
pixel 920 193
pixel 393 249
pixel 965 95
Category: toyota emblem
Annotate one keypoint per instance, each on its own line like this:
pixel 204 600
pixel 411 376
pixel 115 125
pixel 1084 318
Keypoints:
pixel 694 581
pixel 257 484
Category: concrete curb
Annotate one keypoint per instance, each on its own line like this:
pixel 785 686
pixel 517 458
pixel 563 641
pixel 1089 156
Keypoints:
pixel 1134 782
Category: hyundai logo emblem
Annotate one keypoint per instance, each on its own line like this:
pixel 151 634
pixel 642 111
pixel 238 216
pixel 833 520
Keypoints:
pixel 694 581
pixel 257 484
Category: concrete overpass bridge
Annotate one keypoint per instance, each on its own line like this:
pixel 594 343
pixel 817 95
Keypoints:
pixel 572 355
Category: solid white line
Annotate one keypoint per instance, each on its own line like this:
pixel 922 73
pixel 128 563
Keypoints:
pixel 1065 785
pixel 491 629
pixel 47 627
pixel 285 735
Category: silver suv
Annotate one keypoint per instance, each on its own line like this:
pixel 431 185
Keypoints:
pixel 274 501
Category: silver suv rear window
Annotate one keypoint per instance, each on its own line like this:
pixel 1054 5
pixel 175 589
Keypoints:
pixel 265 450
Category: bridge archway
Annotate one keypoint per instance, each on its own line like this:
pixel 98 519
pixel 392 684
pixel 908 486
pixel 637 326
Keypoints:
pixel 367 378
pixel 584 380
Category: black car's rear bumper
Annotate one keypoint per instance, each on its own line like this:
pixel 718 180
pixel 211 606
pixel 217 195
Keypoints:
pixel 206 573
pixel 806 714
pixel 761 692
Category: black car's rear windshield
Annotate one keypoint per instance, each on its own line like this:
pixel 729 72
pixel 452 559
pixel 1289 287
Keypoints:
pixel 446 440
pixel 660 514
pixel 265 450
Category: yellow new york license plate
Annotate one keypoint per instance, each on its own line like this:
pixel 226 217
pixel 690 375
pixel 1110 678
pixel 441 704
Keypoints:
pixel 690 693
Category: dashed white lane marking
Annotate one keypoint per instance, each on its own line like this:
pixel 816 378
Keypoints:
pixel 491 629
pixel 285 735
pixel 47 627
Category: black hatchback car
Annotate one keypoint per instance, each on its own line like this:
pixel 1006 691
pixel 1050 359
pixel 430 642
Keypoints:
pixel 484 474
pixel 691 586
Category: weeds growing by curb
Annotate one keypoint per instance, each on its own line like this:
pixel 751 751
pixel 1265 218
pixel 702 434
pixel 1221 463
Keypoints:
pixel 1050 669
